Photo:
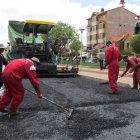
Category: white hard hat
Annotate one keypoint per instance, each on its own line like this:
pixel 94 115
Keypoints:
pixel 2 46
pixel 35 59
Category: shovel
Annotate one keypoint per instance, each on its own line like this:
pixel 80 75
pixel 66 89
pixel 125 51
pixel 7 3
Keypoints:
pixel 69 111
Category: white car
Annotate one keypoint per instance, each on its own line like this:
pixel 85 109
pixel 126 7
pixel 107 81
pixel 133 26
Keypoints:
pixel 92 60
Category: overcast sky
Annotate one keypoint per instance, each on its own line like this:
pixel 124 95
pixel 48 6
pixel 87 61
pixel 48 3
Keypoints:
pixel 73 12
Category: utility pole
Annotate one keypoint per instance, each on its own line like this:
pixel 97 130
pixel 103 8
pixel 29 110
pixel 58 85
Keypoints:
pixel 81 44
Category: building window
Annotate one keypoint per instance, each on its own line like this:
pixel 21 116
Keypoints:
pixel 88 29
pixel 90 21
pixel 101 35
pixel 94 37
pixel 128 46
pixel 101 26
pixel 90 37
pixel 94 19
pixel 102 17
pixel 94 28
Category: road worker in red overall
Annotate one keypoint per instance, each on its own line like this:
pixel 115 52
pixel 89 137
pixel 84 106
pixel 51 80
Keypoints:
pixel 113 57
pixel 12 77
pixel 134 64
pixel 137 76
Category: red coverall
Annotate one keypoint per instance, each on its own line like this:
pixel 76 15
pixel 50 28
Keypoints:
pixel 113 57
pixel 137 76
pixel 132 63
pixel 12 77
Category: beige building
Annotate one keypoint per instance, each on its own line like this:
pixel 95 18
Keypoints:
pixel 115 22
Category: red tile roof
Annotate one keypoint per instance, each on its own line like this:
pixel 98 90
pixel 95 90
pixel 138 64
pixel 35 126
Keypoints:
pixel 118 38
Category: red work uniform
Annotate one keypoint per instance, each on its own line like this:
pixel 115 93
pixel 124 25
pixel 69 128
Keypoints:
pixel 132 63
pixel 137 76
pixel 113 57
pixel 12 77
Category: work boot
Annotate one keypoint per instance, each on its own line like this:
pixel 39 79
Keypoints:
pixel 3 110
pixel 113 92
pixel 134 88
pixel 13 113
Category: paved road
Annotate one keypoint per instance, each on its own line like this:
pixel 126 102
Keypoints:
pixel 97 115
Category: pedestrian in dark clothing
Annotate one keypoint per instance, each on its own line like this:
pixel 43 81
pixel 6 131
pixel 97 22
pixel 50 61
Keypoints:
pixel 101 59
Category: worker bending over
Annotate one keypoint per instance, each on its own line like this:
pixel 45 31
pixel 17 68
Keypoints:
pixel 12 77
pixel 113 57
pixel 133 63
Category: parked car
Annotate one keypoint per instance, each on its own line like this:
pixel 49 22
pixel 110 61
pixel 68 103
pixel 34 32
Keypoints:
pixel 92 60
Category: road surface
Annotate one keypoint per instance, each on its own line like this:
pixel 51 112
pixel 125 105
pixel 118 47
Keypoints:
pixel 97 115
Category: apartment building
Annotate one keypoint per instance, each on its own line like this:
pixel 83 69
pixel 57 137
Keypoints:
pixel 115 22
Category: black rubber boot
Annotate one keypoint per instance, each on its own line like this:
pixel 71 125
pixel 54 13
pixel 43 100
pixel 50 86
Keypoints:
pixel 13 113
pixel 3 110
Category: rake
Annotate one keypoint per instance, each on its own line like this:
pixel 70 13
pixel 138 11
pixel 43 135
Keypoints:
pixel 69 111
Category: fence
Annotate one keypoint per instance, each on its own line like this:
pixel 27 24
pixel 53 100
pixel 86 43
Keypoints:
pixel 93 61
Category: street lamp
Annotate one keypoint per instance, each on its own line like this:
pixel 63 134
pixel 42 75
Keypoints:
pixel 81 45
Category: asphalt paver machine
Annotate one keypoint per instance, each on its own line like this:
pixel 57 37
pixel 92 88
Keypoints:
pixel 28 42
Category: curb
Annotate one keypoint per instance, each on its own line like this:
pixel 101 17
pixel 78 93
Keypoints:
pixel 103 80
pixel 101 72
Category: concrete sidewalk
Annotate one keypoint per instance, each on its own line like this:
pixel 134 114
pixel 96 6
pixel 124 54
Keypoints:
pixel 102 76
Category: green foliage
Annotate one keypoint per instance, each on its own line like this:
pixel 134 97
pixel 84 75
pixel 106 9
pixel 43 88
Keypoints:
pixel 65 54
pixel 135 43
pixel 72 54
pixel 63 32
pixel 127 52
pixel 75 46
pixel 122 64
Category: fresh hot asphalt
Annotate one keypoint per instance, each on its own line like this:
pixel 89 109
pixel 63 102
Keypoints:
pixel 97 115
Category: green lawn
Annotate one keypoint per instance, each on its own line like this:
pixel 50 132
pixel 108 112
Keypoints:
pixel 122 63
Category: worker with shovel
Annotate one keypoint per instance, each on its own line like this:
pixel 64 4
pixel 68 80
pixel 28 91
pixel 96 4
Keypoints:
pixel 133 63
pixel 113 57
pixel 12 77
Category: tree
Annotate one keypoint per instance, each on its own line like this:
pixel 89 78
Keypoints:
pixel 135 43
pixel 64 32
pixel 65 54
pixel 75 46
pixel 72 54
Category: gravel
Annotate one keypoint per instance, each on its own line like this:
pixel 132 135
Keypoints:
pixel 97 115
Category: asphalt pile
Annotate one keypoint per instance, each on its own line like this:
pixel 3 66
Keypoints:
pixel 97 114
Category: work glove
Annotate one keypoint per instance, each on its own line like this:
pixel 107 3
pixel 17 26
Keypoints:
pixel 40 96
pixel 122 75
pixel 104 67
pixel 131 71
